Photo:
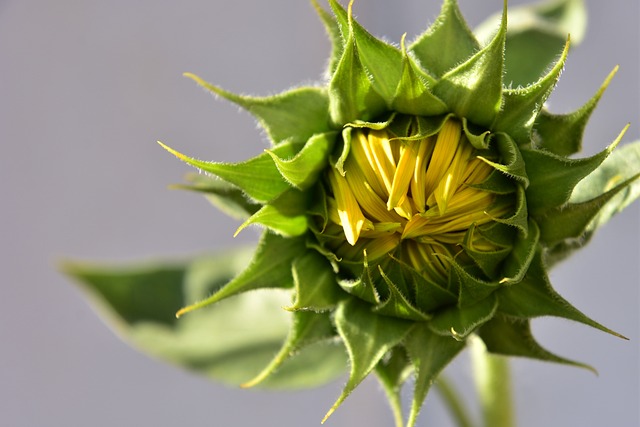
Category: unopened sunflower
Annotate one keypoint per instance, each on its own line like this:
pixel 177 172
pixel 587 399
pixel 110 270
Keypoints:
pixel 411 203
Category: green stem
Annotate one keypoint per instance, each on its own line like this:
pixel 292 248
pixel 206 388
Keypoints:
pixel 493 382
pixel 453 402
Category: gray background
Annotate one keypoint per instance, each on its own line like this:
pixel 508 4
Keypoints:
pixel 88 86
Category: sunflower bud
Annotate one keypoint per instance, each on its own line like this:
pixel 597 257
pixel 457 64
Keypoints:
pixel 415 200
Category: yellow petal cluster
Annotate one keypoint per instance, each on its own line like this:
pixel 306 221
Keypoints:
pixel 415 199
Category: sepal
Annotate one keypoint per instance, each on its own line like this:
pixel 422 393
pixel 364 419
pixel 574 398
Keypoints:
pixel 413 95
pixel 292 116
pixel 368 337
pixel 451 30
pixel 536 32
pixel 316 287
pixel 561 134
pixel 473 89
pixel 243 175
pixel 307 329
pixel 430 353
pixel 264 270
pixel 286 215
pixel 303 169
pixel 535 297
pixel 553 177
pixel 521 106
pixel 226 197
pixel 381 61
pixel 513 337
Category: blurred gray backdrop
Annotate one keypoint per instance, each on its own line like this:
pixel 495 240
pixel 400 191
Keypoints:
pixel 88 86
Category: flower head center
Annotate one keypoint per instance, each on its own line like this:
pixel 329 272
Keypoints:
pixel 416 194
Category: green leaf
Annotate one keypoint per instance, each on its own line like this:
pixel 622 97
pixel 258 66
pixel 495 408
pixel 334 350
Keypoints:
pixel 140 302
pixel 381 60
pixel 307 328
pixel 429 353
pixel 562 134
pixel 535 35
pixel 459 322
pixel 553 178
pixel 333 31
pixel 351 93
pixel 292 116
pixel 368 337
pixel 269 268
pixel 521 106
pixel 243 175
pixel 534 297
pixel 450 30
pixel 226 197
pixel 412 94
pixel 513 337
pixel 473 89
pixel 303 169
pixel 315 283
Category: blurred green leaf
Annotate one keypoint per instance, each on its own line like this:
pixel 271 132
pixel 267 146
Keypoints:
pixel 230 342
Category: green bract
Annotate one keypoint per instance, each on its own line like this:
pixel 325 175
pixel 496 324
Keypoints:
pixel 416 199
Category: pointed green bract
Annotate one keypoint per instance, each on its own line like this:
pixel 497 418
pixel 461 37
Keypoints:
pixel 315 283
pixel 621 165
pixel 473 89
pixel 392 373
pixel 351 94
pixel 429 353
pixel 380 60
pixel 226 197
pixel 272 218
pixel 534 297
pixel 535 35
pixel 562 134
pixel 573 220
pixel 459 322
pixel 447 43
pixel 333 31
pixel 511 337
pixel 292 116
pixel 397 305
pixel 262 272
pixel 242 175
pixel 553 177
pixel 302 170
pixel 413 95
pixel 306 329
pixel 368 337
pixel 517 263
pixel 521 106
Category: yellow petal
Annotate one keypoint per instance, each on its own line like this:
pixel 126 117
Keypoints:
pixel 351 217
